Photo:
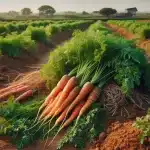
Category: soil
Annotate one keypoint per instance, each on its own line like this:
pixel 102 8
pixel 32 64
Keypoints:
pixel 121 136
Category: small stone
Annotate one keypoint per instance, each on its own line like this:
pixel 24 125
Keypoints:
pixel 102 136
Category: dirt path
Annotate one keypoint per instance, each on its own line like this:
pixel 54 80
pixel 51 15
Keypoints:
pixel 144 44
pixel 12 67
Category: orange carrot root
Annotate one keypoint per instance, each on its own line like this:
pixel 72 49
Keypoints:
pixel 72 95
pixel 14 91
pixel 70 119
pixel 25 95
pixel 69 86
pixel 87 88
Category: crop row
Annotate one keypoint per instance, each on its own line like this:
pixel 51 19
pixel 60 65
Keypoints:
pixel 142 29
pixel 13 44
pixel 9 27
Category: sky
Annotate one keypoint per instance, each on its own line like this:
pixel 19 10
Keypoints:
pixel 74 5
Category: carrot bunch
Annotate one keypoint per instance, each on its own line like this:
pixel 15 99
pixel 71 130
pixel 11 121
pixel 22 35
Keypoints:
pixel 23 87
pixel 73 95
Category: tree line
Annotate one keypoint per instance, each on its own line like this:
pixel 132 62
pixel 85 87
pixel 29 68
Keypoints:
pixel 46 10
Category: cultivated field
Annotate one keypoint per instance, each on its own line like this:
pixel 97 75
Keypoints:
pixel 75 84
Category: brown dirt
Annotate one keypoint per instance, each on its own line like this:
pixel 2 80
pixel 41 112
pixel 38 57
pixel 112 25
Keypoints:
pixel 144 44
pixel 121 136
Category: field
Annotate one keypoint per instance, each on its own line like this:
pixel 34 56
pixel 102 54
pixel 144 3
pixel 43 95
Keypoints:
pixel 75 84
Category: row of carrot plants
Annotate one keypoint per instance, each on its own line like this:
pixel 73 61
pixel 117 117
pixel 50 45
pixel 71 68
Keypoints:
pixel 20 26
pixel 77 72
pixel 142 29
pixel 13 44
pixel 8 28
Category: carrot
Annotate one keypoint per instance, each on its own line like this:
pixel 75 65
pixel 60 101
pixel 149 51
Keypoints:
pixel 71 118
pixel 9 88
pixel 73 115
pixel 48 108
pixel 25 95
pixel 91 99
pixel 87 88
pixel 44 113
pixel 69 86
pixel 60 119
pixel 14 91
pixel 60 85
pixel 72 95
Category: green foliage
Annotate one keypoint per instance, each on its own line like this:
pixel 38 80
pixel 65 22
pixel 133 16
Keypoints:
pixel 128 76
pixel 11 47
pixel 143 124
pixel 98 44
pixel 18 118
pixel 64 58
pixel 11 27
pixel 146 33
pixel 3 29
pixel 88 127
pixel 13 44
pixel 147 76
pixel 38 35
pixel 11 109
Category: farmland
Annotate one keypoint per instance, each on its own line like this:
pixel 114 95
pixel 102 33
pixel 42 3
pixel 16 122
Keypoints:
pixel 86 90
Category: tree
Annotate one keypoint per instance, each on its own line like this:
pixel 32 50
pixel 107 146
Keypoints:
pixel 26 11
pixel 85 13
pixel 95 12
pixel 107 11
pixel 13 13
pixel 46 10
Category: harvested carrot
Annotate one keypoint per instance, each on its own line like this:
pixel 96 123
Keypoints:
pixel 72 95
pixel 74 114
pixel 61 84
pixel 69 120
pixel 90 100
pixel 61 117
pixel 69 86
pixel 87 88
pixel 14 91
pixel 25 95
pixel 9 88
pixel 48 108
